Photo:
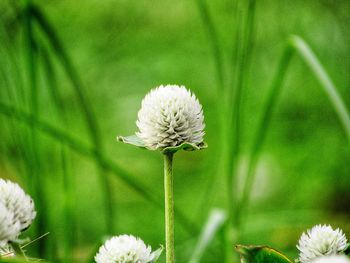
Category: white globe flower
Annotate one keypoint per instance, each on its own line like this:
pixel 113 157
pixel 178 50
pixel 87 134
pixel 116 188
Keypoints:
pixel 126 249
pixel 9 227
pixel 18 202
pixel 169 116
pixel 321 241
pixel 332 259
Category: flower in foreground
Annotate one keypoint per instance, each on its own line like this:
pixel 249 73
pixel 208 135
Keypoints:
pixel 170 119
pixel 169 116
pixel 9 227
pixel 126 249
pixel 320 241
pixel 332 259
pixel 18 202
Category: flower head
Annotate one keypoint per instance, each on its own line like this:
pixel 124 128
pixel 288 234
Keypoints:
pixel 9 228
pixel 332 259
pixel 126 249
pixel 321 241
pixel 18 202
pixel 169 116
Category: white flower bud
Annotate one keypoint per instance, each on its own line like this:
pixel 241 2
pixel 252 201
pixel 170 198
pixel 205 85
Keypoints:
pixel 321 241
pixel 125 249
pixel 169 116
pixel 9 227
pixel 18 202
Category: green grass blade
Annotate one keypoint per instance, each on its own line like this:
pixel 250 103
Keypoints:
pixel 217 53
pixel 84 104
pixel 70 70
pixel 326 82
pixel 51 80
pixel 214 223
pixel 68 178
pixel 11 73
pixel 296 44
pixel 214 40
pixel 37 183
pixel 104 162
pixel 244 43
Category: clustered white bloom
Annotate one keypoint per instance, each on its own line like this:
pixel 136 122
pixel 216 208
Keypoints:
pixel 125 249
pixel 321 241
pixel 16 211
pixel 332 259
pixel 169 116
pixel 9 228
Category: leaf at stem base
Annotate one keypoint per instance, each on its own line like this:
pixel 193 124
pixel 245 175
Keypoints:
pixel 138 142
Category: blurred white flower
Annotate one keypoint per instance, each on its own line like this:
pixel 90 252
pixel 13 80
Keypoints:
pixel 332 259
pixel 9 227
pixel 18 202
pixel 169 116
pixel 321 241
pixel 126 249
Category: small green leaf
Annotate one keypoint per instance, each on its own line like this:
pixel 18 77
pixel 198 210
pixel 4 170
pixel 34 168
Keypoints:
pixel 157 253
pixel 261 254
pixel 133 140
pixel 185 146
pixel 137 141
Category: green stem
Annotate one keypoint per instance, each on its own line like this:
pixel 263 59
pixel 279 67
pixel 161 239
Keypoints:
pixel 169 207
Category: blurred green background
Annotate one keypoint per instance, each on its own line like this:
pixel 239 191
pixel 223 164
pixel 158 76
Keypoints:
pixel 122 49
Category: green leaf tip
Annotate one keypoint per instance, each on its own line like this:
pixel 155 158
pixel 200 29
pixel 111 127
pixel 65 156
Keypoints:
pixel 137 141
pixel 157 253
pixel 133 140
pixel 260 254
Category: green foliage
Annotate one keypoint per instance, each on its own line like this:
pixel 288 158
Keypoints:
pixel 73 81
pixel 261 254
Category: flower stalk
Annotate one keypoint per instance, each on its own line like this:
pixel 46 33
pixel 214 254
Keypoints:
pixel 170 119
pixel 169 207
